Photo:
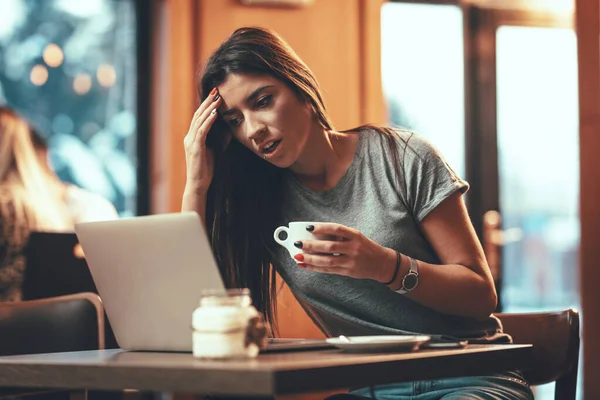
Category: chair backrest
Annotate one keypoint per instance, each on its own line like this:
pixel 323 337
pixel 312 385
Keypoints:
pixel 58 324
pixel 52 268
pixel 555 339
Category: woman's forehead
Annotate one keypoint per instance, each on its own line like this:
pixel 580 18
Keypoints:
pixel 237 88
pixel 243 82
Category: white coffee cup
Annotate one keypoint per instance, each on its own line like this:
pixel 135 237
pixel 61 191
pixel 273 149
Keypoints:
pixel 295 232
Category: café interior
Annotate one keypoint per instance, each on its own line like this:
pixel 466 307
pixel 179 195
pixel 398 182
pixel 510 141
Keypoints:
pixel 112 87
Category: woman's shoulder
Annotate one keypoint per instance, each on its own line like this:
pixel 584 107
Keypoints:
pixel 410 149
pixel 380 138
pixel 87 206
pixel 377 133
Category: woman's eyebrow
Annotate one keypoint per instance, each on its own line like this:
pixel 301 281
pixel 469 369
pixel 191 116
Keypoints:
pixel 249 100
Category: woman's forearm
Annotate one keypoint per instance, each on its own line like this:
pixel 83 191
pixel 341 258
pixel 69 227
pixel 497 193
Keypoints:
pixel 195 201
pixel 452 289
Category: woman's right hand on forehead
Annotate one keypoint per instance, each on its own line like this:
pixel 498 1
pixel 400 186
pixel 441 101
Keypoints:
pixel 198 158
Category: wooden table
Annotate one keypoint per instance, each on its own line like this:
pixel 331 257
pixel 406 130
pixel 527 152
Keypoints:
pixel 267 375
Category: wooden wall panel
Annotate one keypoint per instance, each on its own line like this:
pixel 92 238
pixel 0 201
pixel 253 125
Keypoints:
pixel 588 33
pixel 373 107
pixel 325 35
pixel 174 100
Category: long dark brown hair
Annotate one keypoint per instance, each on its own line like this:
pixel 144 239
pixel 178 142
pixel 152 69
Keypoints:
pixel 244 200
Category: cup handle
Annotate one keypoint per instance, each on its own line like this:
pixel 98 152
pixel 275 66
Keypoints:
pixel 278 231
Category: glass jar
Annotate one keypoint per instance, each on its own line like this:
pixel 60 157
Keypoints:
pixel 225 325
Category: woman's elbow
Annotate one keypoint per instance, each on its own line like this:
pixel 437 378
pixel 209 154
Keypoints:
pixel 488 300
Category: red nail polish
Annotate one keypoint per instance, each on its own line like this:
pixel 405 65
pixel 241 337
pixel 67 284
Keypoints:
pixel 302 265
pixel 299 257
pixel 212 92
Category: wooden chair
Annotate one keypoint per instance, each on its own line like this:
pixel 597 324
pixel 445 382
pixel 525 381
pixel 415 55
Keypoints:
pixel 58 324
pixel 555 338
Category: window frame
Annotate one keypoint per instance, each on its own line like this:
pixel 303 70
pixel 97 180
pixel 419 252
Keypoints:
pixel 144 12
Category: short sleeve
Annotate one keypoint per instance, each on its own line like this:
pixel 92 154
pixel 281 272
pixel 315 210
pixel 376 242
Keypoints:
pixel 429 179
pixel 86 206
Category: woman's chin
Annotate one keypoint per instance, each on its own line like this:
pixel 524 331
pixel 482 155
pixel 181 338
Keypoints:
pixel 281 163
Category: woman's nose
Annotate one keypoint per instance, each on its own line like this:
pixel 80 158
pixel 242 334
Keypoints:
pixel 254 129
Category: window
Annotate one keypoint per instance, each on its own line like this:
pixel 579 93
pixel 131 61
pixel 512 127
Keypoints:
pixel 423 74
pixel 70 68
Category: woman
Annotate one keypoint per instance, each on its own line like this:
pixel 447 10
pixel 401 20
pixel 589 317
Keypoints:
pixel 28 201
pixel 32 198
pixel 261 152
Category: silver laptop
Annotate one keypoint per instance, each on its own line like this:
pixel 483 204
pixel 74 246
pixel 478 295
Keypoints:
pixel 149 272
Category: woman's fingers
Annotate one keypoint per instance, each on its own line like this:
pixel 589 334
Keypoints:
pixel 200 127
pixel 334 230
pixel 321 260
pixel 324 246
pixel 212 96
pixel 199 161
pixel 210 103
pixel 205 126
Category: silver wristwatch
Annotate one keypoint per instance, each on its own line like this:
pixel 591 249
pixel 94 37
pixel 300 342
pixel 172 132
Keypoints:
pixel 411 279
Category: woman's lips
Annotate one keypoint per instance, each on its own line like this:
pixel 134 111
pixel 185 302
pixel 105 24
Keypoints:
pixel 272 151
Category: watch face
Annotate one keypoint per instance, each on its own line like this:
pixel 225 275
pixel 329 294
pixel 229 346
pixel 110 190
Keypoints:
pixel 410 281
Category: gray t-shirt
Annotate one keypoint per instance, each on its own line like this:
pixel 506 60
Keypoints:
pixel 370 198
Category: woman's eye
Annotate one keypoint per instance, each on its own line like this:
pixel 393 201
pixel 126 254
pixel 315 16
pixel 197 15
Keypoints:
pixel 233 121
pixel 263 102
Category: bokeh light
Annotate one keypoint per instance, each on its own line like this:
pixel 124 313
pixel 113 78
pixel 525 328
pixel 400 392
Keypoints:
pixel 53 55
pixel 38 75
pixel 82 84
pixel 106 75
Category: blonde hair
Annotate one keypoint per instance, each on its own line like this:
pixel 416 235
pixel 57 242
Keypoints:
pixel 24 176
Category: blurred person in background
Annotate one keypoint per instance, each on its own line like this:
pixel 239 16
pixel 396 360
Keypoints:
pixel 83 205
pixel 32 198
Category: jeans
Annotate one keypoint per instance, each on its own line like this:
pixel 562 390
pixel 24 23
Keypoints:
pixel 501 386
